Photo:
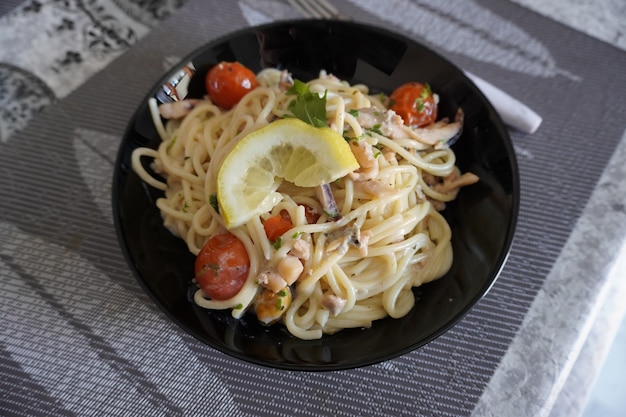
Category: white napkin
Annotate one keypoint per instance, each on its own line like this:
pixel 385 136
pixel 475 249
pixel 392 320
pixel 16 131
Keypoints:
pixel 513 112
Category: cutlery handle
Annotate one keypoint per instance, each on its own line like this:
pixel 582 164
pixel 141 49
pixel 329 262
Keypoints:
pixel 513 112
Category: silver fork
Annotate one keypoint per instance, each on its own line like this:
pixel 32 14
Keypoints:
pixel 512 111
pixel 320 9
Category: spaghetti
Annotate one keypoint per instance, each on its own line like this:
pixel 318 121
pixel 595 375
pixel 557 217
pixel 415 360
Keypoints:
pixel 344 270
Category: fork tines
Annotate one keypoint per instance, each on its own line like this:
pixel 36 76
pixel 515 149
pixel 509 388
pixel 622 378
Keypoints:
pixel 320 9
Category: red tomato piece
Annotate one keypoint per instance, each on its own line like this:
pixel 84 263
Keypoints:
pixel 222 266
pixel 276 225
pixel 228 82
pixel 415 102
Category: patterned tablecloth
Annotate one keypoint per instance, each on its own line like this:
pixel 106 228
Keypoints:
pixel 79 337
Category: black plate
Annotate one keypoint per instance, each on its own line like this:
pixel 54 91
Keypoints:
pixel 483 217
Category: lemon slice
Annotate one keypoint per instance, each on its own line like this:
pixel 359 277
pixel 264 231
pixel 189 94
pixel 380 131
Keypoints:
pixel 288 149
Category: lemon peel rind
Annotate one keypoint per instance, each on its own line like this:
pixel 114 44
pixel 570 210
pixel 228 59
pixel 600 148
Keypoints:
pixel 330 153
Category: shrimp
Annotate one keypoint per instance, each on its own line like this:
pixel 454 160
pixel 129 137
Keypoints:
pixel 364 154
pixel 177 109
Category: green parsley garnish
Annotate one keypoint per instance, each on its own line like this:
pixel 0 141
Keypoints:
pixel 278 243
pixel 354 112
pixel 349 138
pixel 213 202
pixel 185 207
pixel 376 129
pixel 419 102
pixel 238 306
pixel 214 267
pixel 307 106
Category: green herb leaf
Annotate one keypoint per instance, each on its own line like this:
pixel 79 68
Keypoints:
pixel 376 129
pixel 419 104
pixel 214 267
pixel 298 88
pixel 307 106
pixel 214 203
pixel 349 138
pixel 278 243
pixel 354 112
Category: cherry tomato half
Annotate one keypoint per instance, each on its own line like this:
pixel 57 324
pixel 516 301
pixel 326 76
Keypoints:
pixel 228 82
pixel 415 103
pixel 276 225
pixel 222 266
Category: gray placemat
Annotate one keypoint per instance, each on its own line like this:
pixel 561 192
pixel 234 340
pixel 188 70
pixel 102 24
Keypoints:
pixel 78 336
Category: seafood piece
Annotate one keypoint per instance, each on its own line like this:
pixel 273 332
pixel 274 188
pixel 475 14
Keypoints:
pixel 391 124
pixel 342 239
pixel 269 306
pixel 449 185
pixel 442 131
pixel 271 280
pixel 177 109
pixel 387 122
pixel 455 181
pixel 364 154
pixel 289 268
pixel 374 188
pixel 333 303
pixel 301 249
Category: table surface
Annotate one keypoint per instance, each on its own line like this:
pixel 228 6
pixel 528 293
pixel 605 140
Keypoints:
pixel 73 334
